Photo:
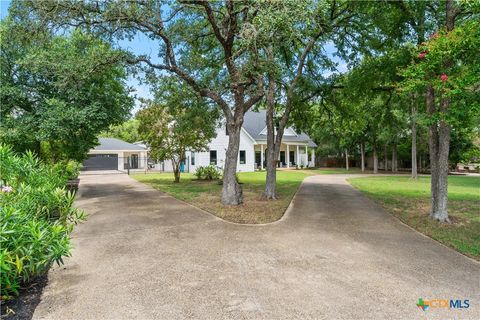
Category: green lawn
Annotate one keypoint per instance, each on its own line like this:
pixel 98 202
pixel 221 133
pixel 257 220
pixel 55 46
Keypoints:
pixel 206 194
pixel 409 200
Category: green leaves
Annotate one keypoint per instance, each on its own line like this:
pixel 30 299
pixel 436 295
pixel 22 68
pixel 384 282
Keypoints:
pixel 59 92
pixel 36 219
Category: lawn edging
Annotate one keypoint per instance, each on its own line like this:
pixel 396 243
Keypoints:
pixel 389 210
pixel 285 213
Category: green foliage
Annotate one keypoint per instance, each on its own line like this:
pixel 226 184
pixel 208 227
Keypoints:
pixel 208 173
pixel 126 131
pixel 69 168
pixel 58 92
pixel 179 120
pixel 450 62
pixel 37 216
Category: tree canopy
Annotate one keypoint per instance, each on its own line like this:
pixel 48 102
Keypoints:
pixel 177 121
pixel 58 92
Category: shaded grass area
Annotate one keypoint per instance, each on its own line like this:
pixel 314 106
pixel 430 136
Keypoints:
pixel 409 200
pixel 206 194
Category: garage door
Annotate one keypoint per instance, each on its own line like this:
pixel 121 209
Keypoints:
pixel 101 162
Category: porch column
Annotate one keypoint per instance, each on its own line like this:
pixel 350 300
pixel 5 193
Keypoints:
pixel 261 156
pixel 313 157
pixel 288 157
pixel 298 156
pixel 306 155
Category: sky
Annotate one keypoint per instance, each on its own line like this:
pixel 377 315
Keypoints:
pixel 143 45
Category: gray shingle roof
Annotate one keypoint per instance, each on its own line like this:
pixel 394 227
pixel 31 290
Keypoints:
pixel 254 123
pixel 107 144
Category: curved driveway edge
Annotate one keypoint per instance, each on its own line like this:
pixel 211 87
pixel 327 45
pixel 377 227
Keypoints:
pixel 336 255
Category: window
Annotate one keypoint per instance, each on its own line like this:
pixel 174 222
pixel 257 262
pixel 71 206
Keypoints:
pixel 309 156
pixel 242 157
pixel 213 157
pixel 192 159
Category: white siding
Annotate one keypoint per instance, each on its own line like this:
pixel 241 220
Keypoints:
pixel 220 144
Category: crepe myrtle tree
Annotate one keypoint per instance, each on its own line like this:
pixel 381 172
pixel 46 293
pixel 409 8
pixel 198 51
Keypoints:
pixel 448 68
pixel 200 42
pixel 180 122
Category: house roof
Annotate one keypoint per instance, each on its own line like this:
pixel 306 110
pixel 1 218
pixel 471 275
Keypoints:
pixel 254 123
pixel 110 144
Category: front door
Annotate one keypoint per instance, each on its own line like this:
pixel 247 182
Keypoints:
pixel 292 157
pixel 134 161
pixel 258 158
pixel 282 158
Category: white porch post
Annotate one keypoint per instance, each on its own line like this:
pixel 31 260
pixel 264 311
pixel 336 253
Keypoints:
pixel 298 155
pixel 288 156
pixel 306 155
pixel 261 156
pixel 313 157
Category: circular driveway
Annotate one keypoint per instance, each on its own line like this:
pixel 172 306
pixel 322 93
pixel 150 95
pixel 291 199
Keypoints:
pixel 335 255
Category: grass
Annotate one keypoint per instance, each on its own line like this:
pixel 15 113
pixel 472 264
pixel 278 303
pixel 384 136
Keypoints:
pixel 409 200
pixel 206 194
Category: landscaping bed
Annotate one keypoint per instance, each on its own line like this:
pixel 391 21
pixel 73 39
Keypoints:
pixel 409 201
pixel 206 194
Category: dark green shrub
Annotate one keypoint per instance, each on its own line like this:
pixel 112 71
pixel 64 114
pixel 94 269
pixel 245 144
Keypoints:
pixel 208 173
pixel 36 218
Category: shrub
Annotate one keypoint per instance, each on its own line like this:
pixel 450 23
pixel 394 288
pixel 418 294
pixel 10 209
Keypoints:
pixel 208 173
pixel 69 168
pixel 37 216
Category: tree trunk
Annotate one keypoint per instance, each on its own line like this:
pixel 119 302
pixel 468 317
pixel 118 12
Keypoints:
pixel 394 157
pixel 271 180
pixel 176 169
pixel 385 158
pixel 439 139
pixel 176 173
pixel 442 166
pixel 271 155
pixel 414 140
pixel 232 192
pixel 346 159
pixel 375 159
pixel 362 153
pixel 433 149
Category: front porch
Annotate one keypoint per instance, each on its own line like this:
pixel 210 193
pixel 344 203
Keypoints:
pixel 291 155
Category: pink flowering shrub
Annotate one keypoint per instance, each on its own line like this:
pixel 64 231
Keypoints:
pixel 37 216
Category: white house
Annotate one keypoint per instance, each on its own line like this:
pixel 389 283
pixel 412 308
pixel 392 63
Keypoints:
pixel 115 154
pixel 296 148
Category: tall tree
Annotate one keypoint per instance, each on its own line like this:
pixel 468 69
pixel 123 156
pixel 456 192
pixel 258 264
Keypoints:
pixel 126 131
pixel 200 42
pixel 58 92
pixel 178 121
pixel 297 32
pixel 448 69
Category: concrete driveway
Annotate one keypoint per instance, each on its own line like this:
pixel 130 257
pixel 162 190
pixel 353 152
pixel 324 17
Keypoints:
pixel 336 255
